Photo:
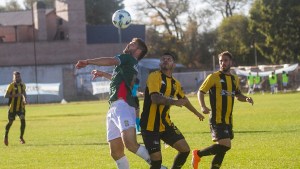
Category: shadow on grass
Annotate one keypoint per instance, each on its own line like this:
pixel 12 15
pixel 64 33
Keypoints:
pixel 65 144
pixel 249 131
pixel 49 117
pixel 274 131
pixel 71 144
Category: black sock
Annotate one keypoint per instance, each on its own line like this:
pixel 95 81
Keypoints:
pixel 7 127
pixel 218 159
pixel 211 150
pixel 180 159
pixel 22 128
pixel 156 164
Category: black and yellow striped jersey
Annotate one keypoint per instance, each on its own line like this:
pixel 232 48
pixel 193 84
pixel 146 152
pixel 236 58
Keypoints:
pixel 16 104
pixel 156 117
pixel 222 90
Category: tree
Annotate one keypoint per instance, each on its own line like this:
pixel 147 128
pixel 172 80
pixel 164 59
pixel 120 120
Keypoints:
pixel 101 11
pixel 12 6
pixel 226 7
pixel 233 35
pixel 166 28
pixel 275 25
pixel 2 8
pixel 48 3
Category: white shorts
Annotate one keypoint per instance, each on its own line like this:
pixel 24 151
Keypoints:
pixel 120 117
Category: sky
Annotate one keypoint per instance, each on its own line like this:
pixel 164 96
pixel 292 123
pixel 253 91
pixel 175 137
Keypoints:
pixel 127 3
pixel 129 6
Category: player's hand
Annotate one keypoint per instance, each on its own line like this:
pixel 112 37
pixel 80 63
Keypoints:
pixel 141 94
pixel 249 100
pixel 200 116
pixel 97 73
pixel 81 64
pixel 24 99
pixel 205 110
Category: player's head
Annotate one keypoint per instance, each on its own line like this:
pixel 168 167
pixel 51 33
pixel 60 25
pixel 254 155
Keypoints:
pixel 225 61
pixel 137 48
pixel 167 61
pixel 17 77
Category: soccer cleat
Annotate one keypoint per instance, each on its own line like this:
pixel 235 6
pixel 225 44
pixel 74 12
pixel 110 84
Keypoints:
pixel 22 141
pixel 195 159
pixel 5 140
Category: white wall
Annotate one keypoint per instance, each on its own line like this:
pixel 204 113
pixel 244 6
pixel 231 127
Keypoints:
pixel 45 74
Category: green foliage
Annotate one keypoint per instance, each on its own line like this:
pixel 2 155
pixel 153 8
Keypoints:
pixel 177 26
pixel 73 136
pixel 2 8
pixel 101 11
pixel 276 26
pixel 226 8
pixel 233 35
pixel 11 5
pixel 48 3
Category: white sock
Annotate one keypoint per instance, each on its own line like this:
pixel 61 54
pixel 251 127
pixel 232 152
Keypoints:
pixel 122 163
pixel 143 153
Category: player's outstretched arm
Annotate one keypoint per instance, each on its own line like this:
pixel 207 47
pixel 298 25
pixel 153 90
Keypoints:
pixel 189 106
pixel 243 98
pixel 159 99
pixel 105 61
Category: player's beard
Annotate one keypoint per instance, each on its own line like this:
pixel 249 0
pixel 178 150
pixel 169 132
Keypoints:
pixel 18 80
pixel 226 69
pixel 165 67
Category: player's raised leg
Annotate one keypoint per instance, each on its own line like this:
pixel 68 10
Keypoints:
pixel 117 152
pixel 130 142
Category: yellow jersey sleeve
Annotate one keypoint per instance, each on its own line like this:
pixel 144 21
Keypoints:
pixel 154 82
pixel 207 84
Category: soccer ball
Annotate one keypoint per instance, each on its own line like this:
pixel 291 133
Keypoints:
pixel 121 19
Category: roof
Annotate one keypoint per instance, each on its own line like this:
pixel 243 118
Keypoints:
pixel 18 17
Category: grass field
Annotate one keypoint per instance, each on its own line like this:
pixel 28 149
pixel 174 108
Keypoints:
pixel 70 136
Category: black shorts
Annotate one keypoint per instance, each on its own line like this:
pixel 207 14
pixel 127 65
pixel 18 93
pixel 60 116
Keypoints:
pixel 12 115
pixel 221 131
pixel 137 102
pixel 152 139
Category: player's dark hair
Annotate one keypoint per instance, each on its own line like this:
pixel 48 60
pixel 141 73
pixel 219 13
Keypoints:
pixel 16 73
pixel 226 53
pixel 142 46
pixel 174 57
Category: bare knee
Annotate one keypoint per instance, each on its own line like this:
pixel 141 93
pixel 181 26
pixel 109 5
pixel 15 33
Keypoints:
pixel 116 148
pixel 116 154
pixel 129 140
pixel 131 145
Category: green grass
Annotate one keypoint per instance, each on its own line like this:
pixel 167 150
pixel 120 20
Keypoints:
pixel 267 136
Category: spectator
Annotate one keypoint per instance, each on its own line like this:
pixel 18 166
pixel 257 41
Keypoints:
pixel 273 82
pixel 285 80
pixel 250 80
